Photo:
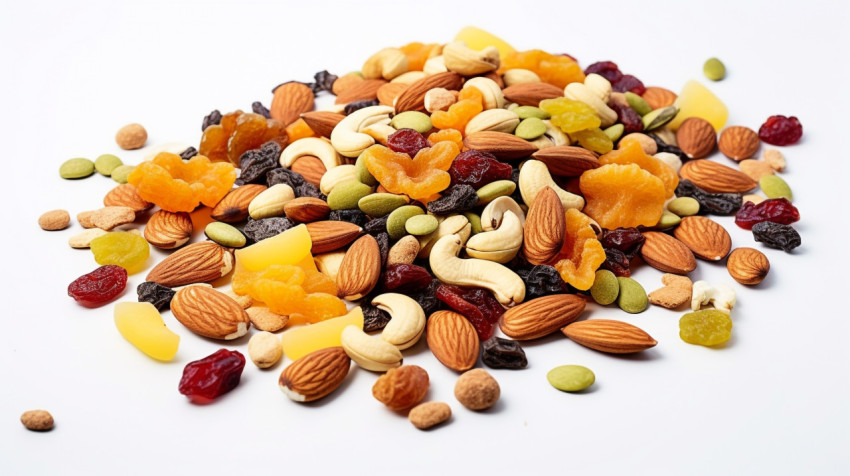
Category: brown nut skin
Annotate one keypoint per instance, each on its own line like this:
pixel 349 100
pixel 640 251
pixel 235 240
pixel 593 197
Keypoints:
pixel 477 390
pixel 429 414
pixel 402 387
pixel 37 420
pixel 131 136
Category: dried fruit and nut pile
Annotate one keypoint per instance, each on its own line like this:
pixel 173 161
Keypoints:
pixel 451 191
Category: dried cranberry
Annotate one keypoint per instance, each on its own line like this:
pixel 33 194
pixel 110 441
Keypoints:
pixel 407 141
pixel 211 377
pixel 777 210
pixel 478 168
pixel 100 286
pixel 629 83
pixel 401 277
pixel 607 69
pixel 476 304
pixel 628 117
pixel 781 130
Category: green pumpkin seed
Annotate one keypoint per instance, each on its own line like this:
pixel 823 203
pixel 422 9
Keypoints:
pixel 398 217
pixel 363 174
pixel 419 122
pixel 684 206
pixel 120 173
pixel 494 190
pixel 571 378
pixel 524 112
pixel 668 219
pixel 605 287
pixel 76 168
pixel 530 128
pixel 615 132
pixel 347 194
pixel 421 225
pixel 632 298
pixel 474 222
pixel 379 204
pixel 659 117
pixel 774 187
pixel 714 69
pixel 106 163
pixel 638 103
pixel 225 235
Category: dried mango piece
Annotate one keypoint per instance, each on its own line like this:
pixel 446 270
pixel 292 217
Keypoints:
pixel 632 153
pixel 622 196
pixel 582 254
pixel 420 177
pixel 179 186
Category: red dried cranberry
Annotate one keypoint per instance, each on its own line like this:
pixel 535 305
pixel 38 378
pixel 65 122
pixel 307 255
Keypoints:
pixel 606 69
pixel 211 377
pixel 100 286
pixel 628 117
pixel 777 210
pixel 629 83
pixel 781 130
pixel 407 141
pixel 401 277
pixel 476 304
pixel 478 168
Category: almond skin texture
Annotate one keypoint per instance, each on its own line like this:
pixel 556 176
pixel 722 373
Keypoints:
pixel 545 227
pixel 126 195
pixel 530 94
pixel 168 230
pixel 413 98
pixel 315 375
pixel 453 340
pixel 614 337
pixel 665 253
pixel 306 209
pixel 738 142
pixel 402 387
pixel 330 235
pixel 706 238
pixel 290 100
pixel 365 90
pixel 233 208
pixel 502 145
pixel 310 167
pixel 197 263
pixel 209 313
pixel 696 137
pixel 360 269
pixel 658 97
pixel 566 160
pixel 714 177
pixel 388 93
pixel 541 316
pixel 322 122
pixel 748 266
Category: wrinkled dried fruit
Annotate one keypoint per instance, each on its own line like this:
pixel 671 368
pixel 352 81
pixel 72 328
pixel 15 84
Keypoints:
pixel 402 387
pixel 407 141
pixel 777 210
pixel 706 327
pixel 402 277
pixel 158 295
pixel 478 168
pixel 781 130
pixel 98 287
pixel 476 304
pixel 498 353
pixel 458 198
pixel 542 280
pixel 776 235
pixel 714 203
pixel 258 230
pixel 207 379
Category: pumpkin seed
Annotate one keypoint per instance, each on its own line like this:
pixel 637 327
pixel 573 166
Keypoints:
pixel 571 378
pixel 76 168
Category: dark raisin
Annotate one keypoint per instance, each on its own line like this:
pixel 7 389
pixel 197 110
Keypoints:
pixel 257 162
pixel 374 319
pixel 351 215
pixel 357 105
pixel 211 119
pixel 402 277
pixel 476 304
pixel 307 189
pixel 156 294
pixel 458 198
pixel 498 353
pixel 207 379
pixel 628 117
pixel 100 286
pixel 517 195
pixel 258 108
pixel 617 262
pixel 669 148
pixel 777 210
pixel 324 81
pixel 629 83
pixel 716 203
pixel 607 69
pixel 407 141
pixel 477 168
pixel 383 240
pixel 188 153
pixel 542 280
pixel 781 130
pixel 621 245
pixel 376 226
pixel 776 235
pixel 427 298
pixel 281 175
pixel 257 230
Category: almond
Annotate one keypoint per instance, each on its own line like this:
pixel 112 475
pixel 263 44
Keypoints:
pixel 566 160
pixel 658 97
pixel 705 237
pixel 209 313
pixel 168 230
pixel 388 93
pixel 714 177
pixel 310 167
pixel 665 253
pixel 322 122
pixel 315 375
pixel 696 137
pixel 453 340
pixel 545 228
pixel 200 262
pixel 541 316
pixel 502 145
pixel 290 100
pixel 747 266
pixel 126 195
pixel 330 235
pixel 610 336
pixel 365 90
pixel 306 209
pixel 738 142
pixel 413 98
pixel 530 94
pixel 360 269
pixel 233 208
pixel 343 83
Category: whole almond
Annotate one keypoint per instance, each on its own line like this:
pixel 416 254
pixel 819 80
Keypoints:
pixel 413 98
pixel 322 122
pixel 738 142
pixel 365 90
pixel 126 195
pixel 530 94
pixel 705 237
pixel 715 177
pixel 748 266
pixel 388 93
pixel 566 160
pixel 665 253
pixel 209 313
pixel 310 167
pixel 168 230
pixel 610 336
pixel 306 209
pixel 290 100
pixel 345 82
pixel 658 97
pixel 315 375
pixel 696 137
pixel 545 227
pixel 541 316
pixel 200 262
pixel 502 145
pixel 360 269
pixel 330 235
pixel 233 208
pixel 453 340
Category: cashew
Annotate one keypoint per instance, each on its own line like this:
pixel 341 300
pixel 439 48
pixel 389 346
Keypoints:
pixel 387 63
pixel 534 175
pixel 499 120
pixel 463 60
pixel 491 217
pixel 369 352
pixel 672 160
pixel 270 202
pixel 506 286
pixel 348 138
pixel 407 322
pixel 337 175
pixel 721 296
pixel 500 245
pixel 493 97
pixel 328 263
pixel 379 131
pixel 435 65
pixel 519 76
pixel 600 86
pixel 409 77
pixel 553 136
pixel 580 92
pixel 455 224
pixel 315 146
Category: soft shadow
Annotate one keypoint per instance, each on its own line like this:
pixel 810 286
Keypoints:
pixel 642 356
pixel 354 373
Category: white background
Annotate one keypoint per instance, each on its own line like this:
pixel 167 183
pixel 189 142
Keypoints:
pixel 773 401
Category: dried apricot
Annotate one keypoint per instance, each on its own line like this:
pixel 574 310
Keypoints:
pixel 559 70
pixel 622 196
pixel 582 254
pixel 178 186
pixel 470 103
pixel 418 53
pixel 419 178
pixel 237 133
pixel 632 153
pixel 450 135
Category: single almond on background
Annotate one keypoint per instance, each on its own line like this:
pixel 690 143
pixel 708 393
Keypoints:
pixel 665 253
pixel 306 209
pixel 453 340
pixel 360 269
pixel 706 238
pixel 168 230
pixel 322 122
pixel 233 208
pixel 209 313
pixel 715 177
pixel 567 160
pixel 503 145
pixel 738 142
pixel 126 195
pixel 365 90
pixel 330 235
pixel 747 266
pixel 315 375
pixel 388 93
pixel 200 262
pixel 658 97
pixel 530 94
pixel 310 167
pixel 545 227
pixel 290 100
pixel 541 316
pixel 605 335
pixel 696 137
pixel 413 98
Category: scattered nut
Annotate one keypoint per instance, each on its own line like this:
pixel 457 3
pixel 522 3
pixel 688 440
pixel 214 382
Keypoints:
pixel 439 99
pixel 54 220
pixel 775 159
pixel 721 296
pixel 83 239
pixel 131 136
pixel 37 420
pixel 264 349
pixel 262 318
pixel 477 390
pixel 402 387
pixel 676 291
pixel 429 414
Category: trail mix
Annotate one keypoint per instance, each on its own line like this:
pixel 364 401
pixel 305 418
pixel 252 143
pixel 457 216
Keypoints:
pixel 451 191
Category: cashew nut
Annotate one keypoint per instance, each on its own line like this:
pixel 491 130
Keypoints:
pixel 500 245
pixel 379 131
pixel 672 160
pixel 270 202
pixel 435 65
pixel 409 77
pixel 493 97
pixel 580 92
pixel 348 138
pixel 387 63
pixel 506 286
pixel 534 175
pixel 721 296
pixel 600 86
pixel 465 61
pixel 315 146
pixel 369 352
pixel 407 321
pixel 553 136
pixel 491 217
pixel 519 76
pixel 455 224
pixel 337 175
pixel 499 120
pixel 328 263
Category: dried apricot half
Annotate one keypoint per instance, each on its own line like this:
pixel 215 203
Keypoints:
pixel 582 254
pixel 622 196
pixel 632 153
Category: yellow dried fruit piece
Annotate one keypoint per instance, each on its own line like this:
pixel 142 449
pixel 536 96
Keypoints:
pixel 301 341
pixel 142 325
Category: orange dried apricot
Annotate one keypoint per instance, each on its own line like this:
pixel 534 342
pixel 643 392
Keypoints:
pixel 237 133
pixel 582 254
pixel 632 153
pixel 450 135
pixel 622 196
pixel 179 186
pixel 558 70
pixel 299 130
pixel 418 53
pixel 470 103
pixel 418 178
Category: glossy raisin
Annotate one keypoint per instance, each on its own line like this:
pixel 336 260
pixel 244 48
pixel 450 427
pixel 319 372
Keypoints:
pixel 307 189
pixel 607 69
pixel 629 83
pixel 211 377
pixel 477 168
pixel 188 153
pixel 621 245
pixel 256 163
pixel 458 198
pixel 777 210
pixel 374 319
pixel 383 240
pixel 100 286
pixel 402 277
pixel 776 235
pixel 351 215
pixel 715 203
pixel 322 81
pixel 158 295
pixel 281 175
pixel 628 117
pixel 407 141
pixel 427 298
pixel 357 105
pixel 781 130
pixel 498 353
pixel 542 280
pixel 258 108
pixel 669 148
pixel 257 230
pixel 476 304
pixel 376 226
pixel 211 119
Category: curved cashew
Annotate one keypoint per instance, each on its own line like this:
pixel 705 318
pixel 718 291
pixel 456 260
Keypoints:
pixel 337 175
pixel 315 146
pixel 347 137
pixel 408 319
pixel 435 65
pixel 506 286
pixel 387 63
pixel 499 120
pixel 499 245
pixel 379 131
pixel 493 97
pixel 580 92
pixel 270 202
pixel 369 352
pixel 721 296
pixel 534 175
pixel 409 77
pixel 465 61
pixel 553 136
pixel 494 212
pixel 600 86
pixel 519 76
pixel 455 224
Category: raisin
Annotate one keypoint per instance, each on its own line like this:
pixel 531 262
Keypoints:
pixel 156 294
pixel 351 215
pixel 307 189
pixel 628 117
pixel 383 240
pixel 402 277
pixel 211 119
pixel 617 262
pixel 258 230
pixel 517 195
pixel 100 286
pixel 374 319
pixel 211 377
pixel 323 81
pixel 621 245
pixel 407 141
pixel 281 175
pixel 357 105
pixel 607 69
pixel 781 130
pixel 188 153
pixel 669 148
pixel 256 163
pixel 427 298
pixel 476 304
pixel 716 203
pixel 777 210
pixel 629 83
pixel 498 353
pixel 376 226
pixel 258 108
pixel 477 168
pixel 458 198
pixel 776 235
pixel 542 280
